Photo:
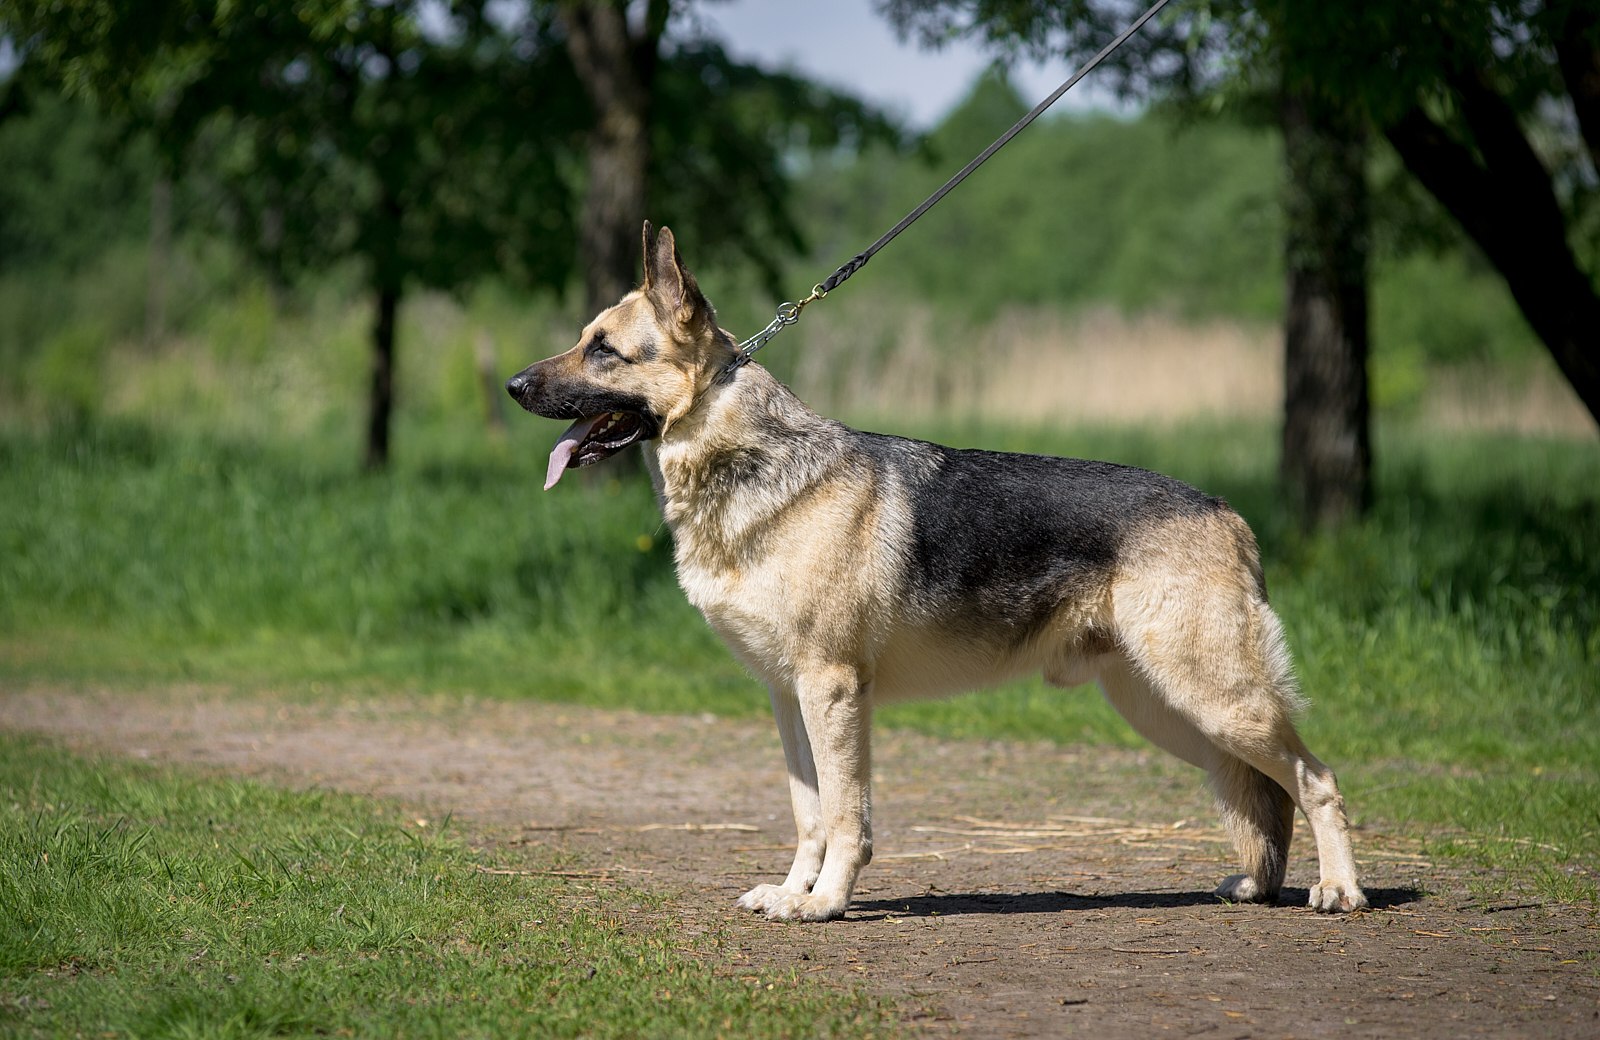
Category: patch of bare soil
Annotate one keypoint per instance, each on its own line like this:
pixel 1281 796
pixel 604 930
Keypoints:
pixel 1020 890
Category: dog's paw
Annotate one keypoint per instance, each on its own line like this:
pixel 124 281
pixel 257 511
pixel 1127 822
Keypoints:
pixel 1242 888
pixel 1337 897
pixel 762 898
pixel 806 906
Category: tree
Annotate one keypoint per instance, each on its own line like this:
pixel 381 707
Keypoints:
pixel 617 66
pixel 1325 464
pixel 1326 457
pixel 1483 130
pixel 1493 106
pixel 426 149
pixel 433 143
pixel 1494 109
pixel 70 180
pixel 1473 97
pixel 679 128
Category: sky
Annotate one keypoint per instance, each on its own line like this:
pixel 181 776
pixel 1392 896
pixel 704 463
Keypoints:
pixel 847 44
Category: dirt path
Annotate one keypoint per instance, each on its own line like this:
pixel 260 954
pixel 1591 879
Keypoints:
pixel 1019 891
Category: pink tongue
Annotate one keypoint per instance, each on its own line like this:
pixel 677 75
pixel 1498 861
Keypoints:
pixel 562 454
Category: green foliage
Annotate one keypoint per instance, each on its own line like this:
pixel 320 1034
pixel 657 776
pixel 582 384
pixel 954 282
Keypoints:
pixel 725 136
pixel 1141 213
pixel 436 146
pixel 1079 210
pixel 423 145
pixel 336 130
pixel 71 181
pixel 1472 98
pixel 1146 213
pixel 55 328
pixel 59 330
pixel 142 902
pixel 1447 308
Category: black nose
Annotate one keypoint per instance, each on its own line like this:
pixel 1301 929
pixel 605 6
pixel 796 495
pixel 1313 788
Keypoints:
pixel 516 384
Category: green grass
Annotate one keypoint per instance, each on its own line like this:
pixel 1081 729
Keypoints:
pixel 1455 633
pixel 142 902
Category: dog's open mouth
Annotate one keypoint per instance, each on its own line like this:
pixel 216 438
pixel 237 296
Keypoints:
pixel 591 439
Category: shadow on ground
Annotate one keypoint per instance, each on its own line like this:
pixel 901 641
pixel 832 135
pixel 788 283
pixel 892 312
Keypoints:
pixel 951 904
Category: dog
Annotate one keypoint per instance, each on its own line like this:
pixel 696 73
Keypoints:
pixel 847 569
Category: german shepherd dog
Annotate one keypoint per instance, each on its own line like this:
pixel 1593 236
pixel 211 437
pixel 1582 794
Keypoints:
pixel 847 569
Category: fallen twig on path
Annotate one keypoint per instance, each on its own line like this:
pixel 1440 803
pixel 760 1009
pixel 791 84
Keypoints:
pixel 607 874
pixel 699 827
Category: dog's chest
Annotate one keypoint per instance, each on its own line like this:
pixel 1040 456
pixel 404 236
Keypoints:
pixel 722 578
pixel 744 605
pixel 721 548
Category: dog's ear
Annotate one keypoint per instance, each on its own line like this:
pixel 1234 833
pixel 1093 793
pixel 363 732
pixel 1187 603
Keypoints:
pixel 645 252
pixel 669 284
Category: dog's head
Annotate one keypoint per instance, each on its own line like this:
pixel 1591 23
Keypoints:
pixel 637 369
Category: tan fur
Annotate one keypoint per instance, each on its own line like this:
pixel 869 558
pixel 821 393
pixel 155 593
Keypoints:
pixel 803 575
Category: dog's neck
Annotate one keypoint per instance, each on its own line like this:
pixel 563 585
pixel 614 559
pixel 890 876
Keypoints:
pixel 748 448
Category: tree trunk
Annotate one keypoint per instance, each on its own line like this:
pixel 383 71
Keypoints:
pixel 380 398
pixel 387 271
pixel 617 68
pixel 613 207
pixel 1326 465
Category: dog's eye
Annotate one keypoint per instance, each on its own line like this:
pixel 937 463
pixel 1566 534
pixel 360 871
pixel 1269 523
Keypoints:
pixel 599 348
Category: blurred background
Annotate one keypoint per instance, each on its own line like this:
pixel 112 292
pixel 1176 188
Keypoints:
pixel 222 205
pixel 264 268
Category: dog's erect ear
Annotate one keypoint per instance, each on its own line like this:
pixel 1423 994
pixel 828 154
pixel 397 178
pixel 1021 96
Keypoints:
pixel 645 252
pixel 668 283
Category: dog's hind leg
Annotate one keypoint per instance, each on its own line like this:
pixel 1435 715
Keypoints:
pixel 1259 816
pixel 1215 655
pixel 1315 790
pixel 812 839
pixel 837 714
pixel 1258 813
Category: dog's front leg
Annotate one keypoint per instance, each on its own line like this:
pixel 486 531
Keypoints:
pixel 837 717
pixel 812 839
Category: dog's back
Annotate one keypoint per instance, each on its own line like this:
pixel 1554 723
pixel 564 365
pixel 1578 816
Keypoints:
pixel 1007 539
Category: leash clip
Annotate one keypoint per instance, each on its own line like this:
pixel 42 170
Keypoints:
pixel 788 314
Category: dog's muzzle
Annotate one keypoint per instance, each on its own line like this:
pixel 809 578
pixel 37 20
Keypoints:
pixel 603 424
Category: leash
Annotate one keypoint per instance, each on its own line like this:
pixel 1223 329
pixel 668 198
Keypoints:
pixel 789 312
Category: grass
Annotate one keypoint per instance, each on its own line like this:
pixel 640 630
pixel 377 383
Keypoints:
pixel 141 902
pixel 1454 634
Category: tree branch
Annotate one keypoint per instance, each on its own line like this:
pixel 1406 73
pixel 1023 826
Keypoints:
pixel 1507 205
pixel 1510 159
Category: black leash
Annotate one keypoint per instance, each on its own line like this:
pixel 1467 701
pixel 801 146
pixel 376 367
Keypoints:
pixel 789 313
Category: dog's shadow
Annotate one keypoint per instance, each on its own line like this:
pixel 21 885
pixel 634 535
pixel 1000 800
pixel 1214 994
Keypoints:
pixel 952 904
